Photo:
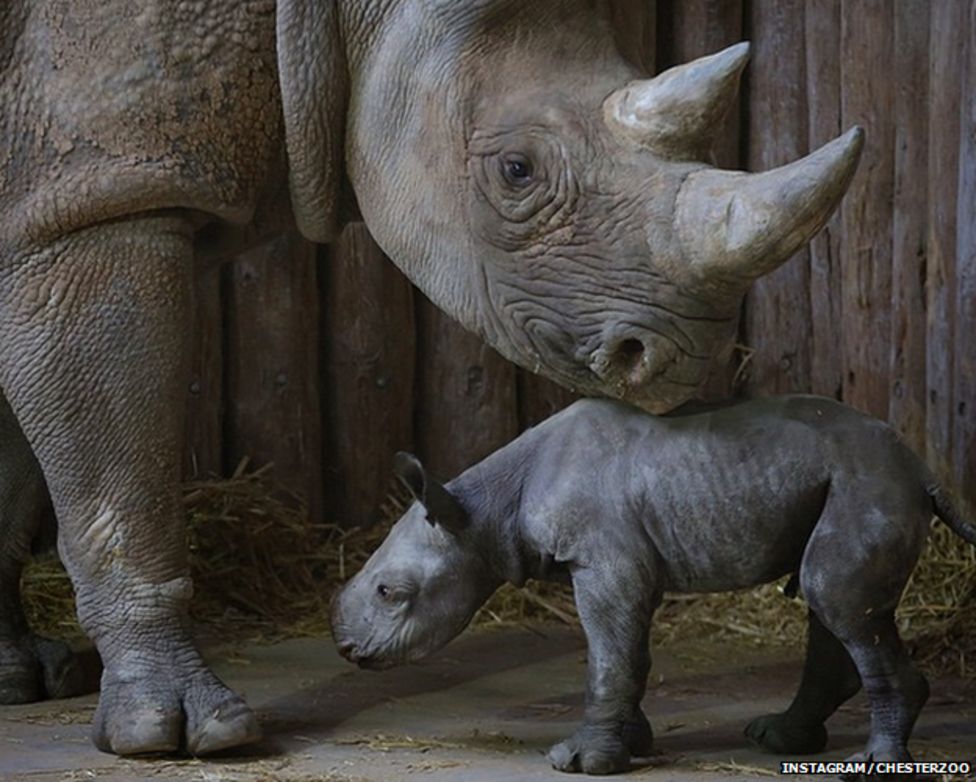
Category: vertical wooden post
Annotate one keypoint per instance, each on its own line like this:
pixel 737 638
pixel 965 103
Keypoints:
pixel 203 435
pixel 907 338
pixel 466 403
pixel 369 352
pixel 778 319
pixel 272 365
pixel 635 26
pixel 945 70
pixel 539 398
pixel 822 37
pixel 693 28
pixel 867 97
pixel 964 447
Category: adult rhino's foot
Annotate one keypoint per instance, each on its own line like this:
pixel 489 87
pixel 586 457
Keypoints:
pixel 33 668
pixel 782 735
pixel 592 750
pixel 169 708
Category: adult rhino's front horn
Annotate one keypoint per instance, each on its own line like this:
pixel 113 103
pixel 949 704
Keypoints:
pixel 732 227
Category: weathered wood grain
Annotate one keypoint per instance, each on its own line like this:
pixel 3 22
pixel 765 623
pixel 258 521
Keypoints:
pixel 466 395
pixel 907 358
pixel 778 317
pixel 635 26
pixel 964 446
pixel 692 28
pixel 822 23
pixel 867 99
pixel 272 367
pixel 368 353
pixel 203 435
pixel 945 70
pixel 539 398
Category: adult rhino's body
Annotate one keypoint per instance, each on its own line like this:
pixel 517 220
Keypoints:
pixel 499 151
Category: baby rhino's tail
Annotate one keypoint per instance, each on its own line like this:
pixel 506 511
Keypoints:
pixel 946 510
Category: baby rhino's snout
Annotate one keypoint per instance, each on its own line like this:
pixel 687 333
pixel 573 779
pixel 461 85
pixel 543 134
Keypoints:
pixel 340 631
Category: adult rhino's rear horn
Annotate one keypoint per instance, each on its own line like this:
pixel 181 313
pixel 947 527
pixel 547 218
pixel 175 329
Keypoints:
pixel 734 227
pixel 677 113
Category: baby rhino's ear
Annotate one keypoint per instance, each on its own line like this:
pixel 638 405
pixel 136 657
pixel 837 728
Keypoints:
pixel 442 507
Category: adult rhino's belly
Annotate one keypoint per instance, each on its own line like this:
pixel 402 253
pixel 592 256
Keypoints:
pixel 123 107
pixel 728 524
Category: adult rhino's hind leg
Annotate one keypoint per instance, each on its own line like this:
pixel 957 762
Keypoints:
pixel 31 667
pixel 92 360
pixel 829 678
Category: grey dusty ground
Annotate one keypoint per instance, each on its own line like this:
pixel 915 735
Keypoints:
pixel 484 710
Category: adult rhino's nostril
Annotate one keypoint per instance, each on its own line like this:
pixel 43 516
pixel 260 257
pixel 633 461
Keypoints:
pixel 348 650
pixel 627 361
pixel 629 353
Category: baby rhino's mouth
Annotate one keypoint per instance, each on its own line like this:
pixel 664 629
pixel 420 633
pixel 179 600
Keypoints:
pixel 374 664
pixel 351 652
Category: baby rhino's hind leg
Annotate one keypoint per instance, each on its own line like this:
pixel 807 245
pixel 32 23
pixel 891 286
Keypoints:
pixel 855 595
pixel 829 679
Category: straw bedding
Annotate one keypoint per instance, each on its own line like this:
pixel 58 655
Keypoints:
pixel 262 570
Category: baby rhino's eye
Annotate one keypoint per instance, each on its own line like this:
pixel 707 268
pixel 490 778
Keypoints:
pixel 383 591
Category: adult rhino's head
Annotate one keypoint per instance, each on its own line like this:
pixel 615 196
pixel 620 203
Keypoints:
pixel 422 586
pixel 536 187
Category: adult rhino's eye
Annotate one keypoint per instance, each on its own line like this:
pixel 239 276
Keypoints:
pixel 383 591
pixel 517 170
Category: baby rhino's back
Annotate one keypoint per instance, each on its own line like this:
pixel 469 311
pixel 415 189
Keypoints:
pixel 728 497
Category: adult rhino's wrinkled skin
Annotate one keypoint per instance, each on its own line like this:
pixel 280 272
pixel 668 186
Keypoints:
pixel 529 180
pixel 627 506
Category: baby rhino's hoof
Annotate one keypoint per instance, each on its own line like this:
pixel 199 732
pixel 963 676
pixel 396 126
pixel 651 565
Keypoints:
pixel 777 734
pixel 884 754
pixel 592 752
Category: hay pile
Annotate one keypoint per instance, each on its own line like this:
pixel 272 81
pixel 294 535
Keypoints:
pixel 263 570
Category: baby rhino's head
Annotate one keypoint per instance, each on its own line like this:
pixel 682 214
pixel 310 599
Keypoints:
pixel 421 587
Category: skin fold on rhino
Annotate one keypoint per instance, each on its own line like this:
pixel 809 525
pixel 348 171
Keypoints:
pixel 627 506
pixel 534 184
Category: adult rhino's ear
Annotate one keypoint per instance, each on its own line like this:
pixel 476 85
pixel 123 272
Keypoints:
pixel 442 507
pixel 314 85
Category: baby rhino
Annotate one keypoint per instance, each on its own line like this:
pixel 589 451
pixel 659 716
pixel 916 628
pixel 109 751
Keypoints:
pixel 628 506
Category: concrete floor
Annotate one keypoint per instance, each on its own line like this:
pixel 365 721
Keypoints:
pixel 484 710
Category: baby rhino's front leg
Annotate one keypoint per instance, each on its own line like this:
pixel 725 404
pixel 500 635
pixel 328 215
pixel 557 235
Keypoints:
pixel 615 606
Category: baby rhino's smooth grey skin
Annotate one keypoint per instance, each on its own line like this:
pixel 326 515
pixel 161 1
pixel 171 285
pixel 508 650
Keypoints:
pixel 628 506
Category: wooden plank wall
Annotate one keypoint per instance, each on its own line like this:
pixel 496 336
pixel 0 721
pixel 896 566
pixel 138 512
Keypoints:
pixel 876 312
pixel 325 361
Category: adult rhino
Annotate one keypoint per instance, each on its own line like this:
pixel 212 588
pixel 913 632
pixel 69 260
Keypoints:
pixel 504 154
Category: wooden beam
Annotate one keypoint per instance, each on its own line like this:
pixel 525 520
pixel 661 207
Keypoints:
pixel 778 317
pixel 369 352
pixel 272 365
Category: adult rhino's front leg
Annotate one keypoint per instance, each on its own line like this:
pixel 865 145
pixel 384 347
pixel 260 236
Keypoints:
pixel 615 606
pixel 91 360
